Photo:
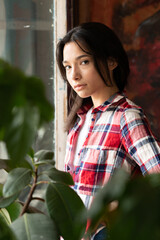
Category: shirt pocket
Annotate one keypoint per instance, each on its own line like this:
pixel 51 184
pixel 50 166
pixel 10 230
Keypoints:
pixel 95 169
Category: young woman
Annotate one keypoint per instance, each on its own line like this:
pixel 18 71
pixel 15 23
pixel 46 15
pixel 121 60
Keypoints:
pixel 106 130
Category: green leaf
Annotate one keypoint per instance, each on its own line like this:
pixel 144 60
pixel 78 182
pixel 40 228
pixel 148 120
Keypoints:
pixel 65 208
pixel 14 210
pixel 34 227
pixel 59 176
pixel 4 202
pixel 45 162
pixel 43 155
pixel 4 216
pixel 1 189
pixel 31 153
pixel 5 231
pixel 26 163
pixel 24 106
pixel 35 92
pixel 17 179
pixel 21 131
pixel 113 190
pixel 16 89
pixel 138 209
pixel 8 164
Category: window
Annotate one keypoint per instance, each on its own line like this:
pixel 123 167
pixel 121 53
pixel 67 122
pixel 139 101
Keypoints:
pixel 28 32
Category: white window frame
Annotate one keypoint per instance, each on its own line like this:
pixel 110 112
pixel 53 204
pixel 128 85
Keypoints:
pixel 60 88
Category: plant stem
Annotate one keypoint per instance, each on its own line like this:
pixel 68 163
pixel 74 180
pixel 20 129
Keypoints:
pixel 42 182
pixel 37 198
pixel 26 205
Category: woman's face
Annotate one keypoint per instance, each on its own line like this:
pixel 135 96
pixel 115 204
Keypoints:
pixel 82 74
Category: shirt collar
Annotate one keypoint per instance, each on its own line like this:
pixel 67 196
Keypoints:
pixel 111 101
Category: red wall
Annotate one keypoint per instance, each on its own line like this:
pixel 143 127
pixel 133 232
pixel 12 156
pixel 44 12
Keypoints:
pixel 137 23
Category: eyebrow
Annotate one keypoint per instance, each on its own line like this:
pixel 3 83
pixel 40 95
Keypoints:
pixel 77 58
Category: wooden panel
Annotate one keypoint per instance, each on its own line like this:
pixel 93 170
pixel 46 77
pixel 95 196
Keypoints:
pixel 60 88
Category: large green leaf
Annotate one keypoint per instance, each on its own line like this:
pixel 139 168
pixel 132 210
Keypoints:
pixel 21 131
pixel 16 89
pixel 65 207
pixel 4 216
pixel 35 93
pixel 113 190
pixel 34 227
pixel 5 231
pixel 14 210
pixel 59 176
pixel 11 88
pixel 17 179
pixel 138 212
pixel 25 108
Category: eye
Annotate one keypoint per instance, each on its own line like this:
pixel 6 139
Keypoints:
pixel 67 67
pixel 85 62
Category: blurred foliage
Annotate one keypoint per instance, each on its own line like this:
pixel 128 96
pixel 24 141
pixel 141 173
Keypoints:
pixel 137 215
pixel 24 109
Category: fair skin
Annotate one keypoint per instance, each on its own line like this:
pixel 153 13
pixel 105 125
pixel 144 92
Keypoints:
pixel 83 76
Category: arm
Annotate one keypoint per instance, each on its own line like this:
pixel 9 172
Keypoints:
pixel 139 142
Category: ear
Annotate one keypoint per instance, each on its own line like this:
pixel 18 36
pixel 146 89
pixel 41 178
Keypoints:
pixel 112 64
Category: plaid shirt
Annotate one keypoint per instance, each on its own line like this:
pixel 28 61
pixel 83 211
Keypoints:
pixel 118 136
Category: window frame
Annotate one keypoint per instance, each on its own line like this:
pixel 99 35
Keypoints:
pixel 60 87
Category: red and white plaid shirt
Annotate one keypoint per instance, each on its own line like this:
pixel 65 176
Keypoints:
pixel 118 136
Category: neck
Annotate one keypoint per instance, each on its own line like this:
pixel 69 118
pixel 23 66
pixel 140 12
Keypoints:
pixel 107 93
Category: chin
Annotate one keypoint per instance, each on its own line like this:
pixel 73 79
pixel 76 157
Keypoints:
pixel 83 96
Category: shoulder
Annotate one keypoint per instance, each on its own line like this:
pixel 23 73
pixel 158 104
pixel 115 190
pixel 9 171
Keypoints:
pixel 126 107
pixel 132 116
pixel 128 110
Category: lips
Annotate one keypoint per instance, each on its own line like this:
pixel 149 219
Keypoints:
pixel 79 87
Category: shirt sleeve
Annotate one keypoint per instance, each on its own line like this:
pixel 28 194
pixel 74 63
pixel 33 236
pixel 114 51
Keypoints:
pixel 139 142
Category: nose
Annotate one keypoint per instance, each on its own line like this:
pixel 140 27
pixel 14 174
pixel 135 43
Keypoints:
pixel 75 73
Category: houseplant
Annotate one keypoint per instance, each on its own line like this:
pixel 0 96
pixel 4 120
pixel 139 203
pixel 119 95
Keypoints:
pixel 24 108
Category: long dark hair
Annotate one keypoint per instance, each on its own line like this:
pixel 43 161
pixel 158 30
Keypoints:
pixel 103 44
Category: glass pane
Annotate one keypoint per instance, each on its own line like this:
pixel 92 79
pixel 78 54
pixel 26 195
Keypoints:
pixel 26 41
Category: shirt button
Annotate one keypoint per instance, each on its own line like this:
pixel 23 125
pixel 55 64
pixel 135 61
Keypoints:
pixel 68 168
pixel 93 119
